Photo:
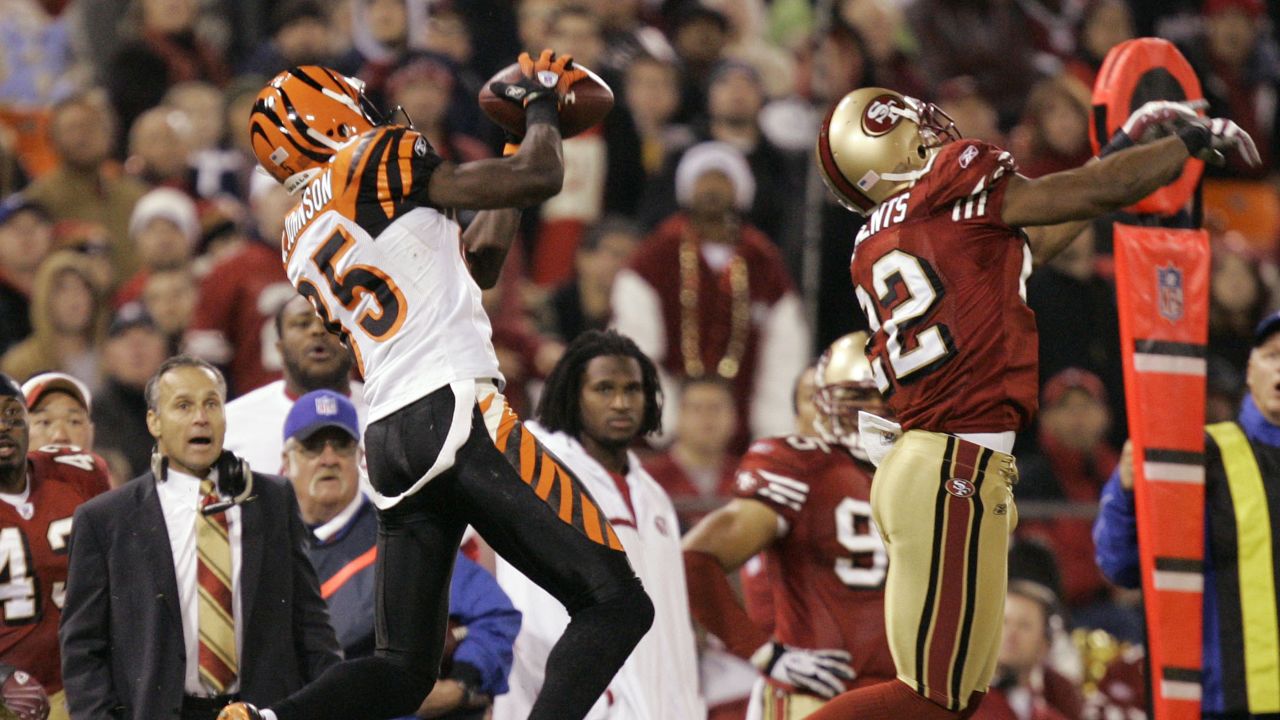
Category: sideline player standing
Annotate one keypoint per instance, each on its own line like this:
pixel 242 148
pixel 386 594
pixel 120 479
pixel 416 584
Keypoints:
pixel 39 493
pixel 375 246
pixel 805 502
pixel 940 270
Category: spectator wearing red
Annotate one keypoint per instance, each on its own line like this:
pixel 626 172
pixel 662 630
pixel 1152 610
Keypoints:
pixel 708 293
pixel 234 324
pixel 698 470
pixel 1073 463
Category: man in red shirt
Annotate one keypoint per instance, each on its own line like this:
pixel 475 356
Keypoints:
pixel 804 501
pixel 39 492
pixel 940 270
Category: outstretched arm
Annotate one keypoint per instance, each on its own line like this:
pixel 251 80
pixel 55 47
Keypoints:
pixel 526 178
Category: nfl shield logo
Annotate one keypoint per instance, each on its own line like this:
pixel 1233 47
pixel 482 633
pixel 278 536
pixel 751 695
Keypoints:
pixel 1169 292
pixel 326 406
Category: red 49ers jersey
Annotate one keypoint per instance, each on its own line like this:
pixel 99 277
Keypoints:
pixel 827 570
pixel 33 557
pixel 942 281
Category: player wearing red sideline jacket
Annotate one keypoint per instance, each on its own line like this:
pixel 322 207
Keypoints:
pixel 805 502
pixel 39 492
pixel 940 271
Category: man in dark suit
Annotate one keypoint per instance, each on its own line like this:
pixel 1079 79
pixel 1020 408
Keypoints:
pixel 189 587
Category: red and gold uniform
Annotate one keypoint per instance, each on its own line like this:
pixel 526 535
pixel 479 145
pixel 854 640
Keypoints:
pixel 942 280
pixel 33 557
pixel 827 568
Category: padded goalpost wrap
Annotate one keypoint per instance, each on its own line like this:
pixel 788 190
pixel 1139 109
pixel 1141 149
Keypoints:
pixel 1162 288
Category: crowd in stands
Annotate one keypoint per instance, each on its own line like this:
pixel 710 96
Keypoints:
pixel 693 219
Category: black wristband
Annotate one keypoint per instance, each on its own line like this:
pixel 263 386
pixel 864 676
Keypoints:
pixel 1196 137
pixel 542 109
pixel 1119 141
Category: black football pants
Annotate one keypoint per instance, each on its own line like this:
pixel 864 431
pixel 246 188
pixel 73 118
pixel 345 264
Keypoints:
pixel 417 542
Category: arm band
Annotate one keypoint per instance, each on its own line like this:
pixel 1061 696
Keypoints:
pixel 716 608
pixel 1119 141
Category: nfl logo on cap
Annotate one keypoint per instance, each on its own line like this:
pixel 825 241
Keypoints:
pixel 326 405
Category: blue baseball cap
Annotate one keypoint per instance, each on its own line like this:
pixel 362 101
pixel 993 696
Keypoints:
pixel 1268 327
pixel 318 410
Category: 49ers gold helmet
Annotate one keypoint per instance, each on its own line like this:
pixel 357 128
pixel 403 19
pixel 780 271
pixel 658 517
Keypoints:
pixel 875 142
pixel 844 384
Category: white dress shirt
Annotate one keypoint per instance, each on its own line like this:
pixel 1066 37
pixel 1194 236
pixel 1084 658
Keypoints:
pixel 180 500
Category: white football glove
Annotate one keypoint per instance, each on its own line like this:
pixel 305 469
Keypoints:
pixel 821 672
pixel 1159 118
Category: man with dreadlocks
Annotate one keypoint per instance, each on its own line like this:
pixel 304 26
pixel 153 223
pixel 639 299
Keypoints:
pixel 600 397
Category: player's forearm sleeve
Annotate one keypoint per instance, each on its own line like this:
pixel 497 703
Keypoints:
pixel 716 608
pixel 1115 535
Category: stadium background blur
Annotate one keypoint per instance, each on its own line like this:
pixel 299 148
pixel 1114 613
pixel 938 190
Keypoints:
pixel 127 190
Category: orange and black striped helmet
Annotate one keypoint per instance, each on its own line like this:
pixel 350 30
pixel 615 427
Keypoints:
pixel 302 117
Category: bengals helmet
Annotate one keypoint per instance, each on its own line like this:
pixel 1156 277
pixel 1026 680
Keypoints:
pixel 302 118
pixel 875 142
pixel 843 385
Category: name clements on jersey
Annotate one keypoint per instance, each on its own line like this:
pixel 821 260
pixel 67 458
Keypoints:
pixel 318 194
pixel 890 212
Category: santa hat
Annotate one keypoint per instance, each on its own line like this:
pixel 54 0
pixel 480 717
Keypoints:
pixel 169 204
pixel 723 157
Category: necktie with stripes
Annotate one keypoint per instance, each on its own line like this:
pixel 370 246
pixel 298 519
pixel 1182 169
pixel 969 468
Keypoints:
pixel 213 578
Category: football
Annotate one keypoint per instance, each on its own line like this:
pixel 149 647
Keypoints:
pixel 586 104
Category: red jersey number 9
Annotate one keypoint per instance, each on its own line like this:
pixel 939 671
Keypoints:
pixel 906 291
pixel 868 563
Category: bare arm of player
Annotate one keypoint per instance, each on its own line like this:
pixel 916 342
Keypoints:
pixel 528 177
pixel 487 240
pixel 1092 189
pixel 721 543
pixel 1049 240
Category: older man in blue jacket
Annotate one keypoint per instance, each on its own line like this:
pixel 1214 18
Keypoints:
pixel 1241 660
pixel 322 459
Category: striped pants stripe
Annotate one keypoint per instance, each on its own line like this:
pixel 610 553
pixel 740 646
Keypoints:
pixel 945 509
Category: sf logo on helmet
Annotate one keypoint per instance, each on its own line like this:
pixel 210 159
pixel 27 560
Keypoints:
pixel 882 115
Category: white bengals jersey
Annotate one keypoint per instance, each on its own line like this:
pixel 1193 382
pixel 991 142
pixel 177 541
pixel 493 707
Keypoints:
pixel 386 270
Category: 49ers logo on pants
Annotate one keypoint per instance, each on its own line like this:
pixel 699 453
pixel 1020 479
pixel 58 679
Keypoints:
pixel 960 487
